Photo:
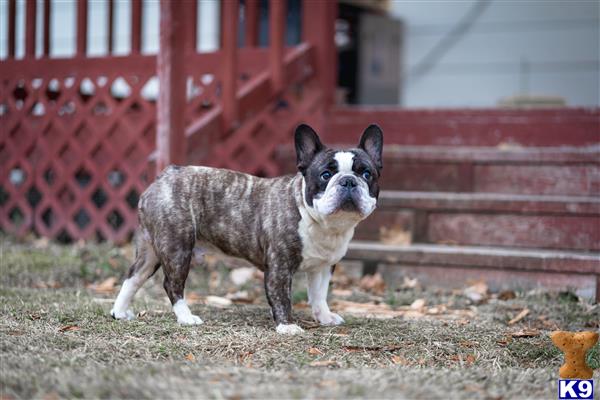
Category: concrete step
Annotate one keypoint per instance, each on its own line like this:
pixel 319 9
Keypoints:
pixel 452 266
pixel 486 219
pixel 508 169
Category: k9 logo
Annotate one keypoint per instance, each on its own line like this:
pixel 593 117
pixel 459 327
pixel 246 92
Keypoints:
pixel 575 389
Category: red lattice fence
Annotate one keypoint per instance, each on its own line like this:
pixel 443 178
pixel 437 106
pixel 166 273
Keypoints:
pixel 77 135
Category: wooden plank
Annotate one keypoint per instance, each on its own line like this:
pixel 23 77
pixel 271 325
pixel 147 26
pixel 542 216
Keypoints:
pixel 276 42
pixel 470 127
pixel 191 25
pixel 533 231
pixel 318 29
pixel 170 140
pixel 82 14
pixel 576 180
pixel 492 202
pixel 251 23
pixel 136 26
pixel 47 28
pixel 12 24
pixel 478 257
pixel 230 18
pixel 30 28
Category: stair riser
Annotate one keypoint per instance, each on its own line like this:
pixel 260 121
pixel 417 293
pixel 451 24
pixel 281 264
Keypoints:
pixel 581 232
pixel 572 180
pixel 492 127
pixel 535 172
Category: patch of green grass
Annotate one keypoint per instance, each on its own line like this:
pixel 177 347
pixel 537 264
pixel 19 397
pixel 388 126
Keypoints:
pixel 593 357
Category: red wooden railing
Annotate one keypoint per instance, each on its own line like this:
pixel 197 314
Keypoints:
pixel 76 134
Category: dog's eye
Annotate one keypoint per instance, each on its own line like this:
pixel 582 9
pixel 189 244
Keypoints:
pixel 367 175
pixel 326 176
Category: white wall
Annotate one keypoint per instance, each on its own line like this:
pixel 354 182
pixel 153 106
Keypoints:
pixel 559 40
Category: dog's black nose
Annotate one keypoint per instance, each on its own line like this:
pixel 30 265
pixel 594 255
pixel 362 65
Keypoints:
pixel 348 182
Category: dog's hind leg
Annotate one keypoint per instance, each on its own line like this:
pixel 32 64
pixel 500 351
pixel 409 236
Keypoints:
pixel 145 265
pixel 175 252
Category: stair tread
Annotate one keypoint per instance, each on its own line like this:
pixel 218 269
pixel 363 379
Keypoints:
pixel 478 256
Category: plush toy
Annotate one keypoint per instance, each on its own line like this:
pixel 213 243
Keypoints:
pixel 574 345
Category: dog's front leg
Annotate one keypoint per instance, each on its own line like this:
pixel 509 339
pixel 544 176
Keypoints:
pixel 278 287
pixel 318 285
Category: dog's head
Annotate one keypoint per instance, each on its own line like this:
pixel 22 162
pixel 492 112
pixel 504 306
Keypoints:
pixel 340 182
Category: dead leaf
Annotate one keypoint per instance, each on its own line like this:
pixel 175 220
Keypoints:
pixel 190 357
pixel 468 343
pixel 341 292
pixel 519 316
pixel 241 296
pixel 373 283
pixel 506 295
pixel 395 235
pixel 217 301
pixel 470 359
pixel 324 363
pixel 106 286
pixel 399 360
pixel 504 342
pixel 67 328
pixel 409 283
pixel 526 332
pixel 418 304
pixel 315 352
pixel 476 292
pixel 193 298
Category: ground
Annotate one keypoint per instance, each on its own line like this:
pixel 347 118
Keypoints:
pixel 400 340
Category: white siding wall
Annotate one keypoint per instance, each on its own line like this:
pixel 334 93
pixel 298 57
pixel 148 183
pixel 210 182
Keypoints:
pixel 558 40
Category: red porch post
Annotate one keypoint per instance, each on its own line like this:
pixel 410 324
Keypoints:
pixel 318 29
pixel 110 28
pixel 251 22
pixel 276 42
pixel 12 24
pixel 82 12
pixel 136 26
pixel 46 35
pixel 170 139
pixel 229 32
pixel 30 25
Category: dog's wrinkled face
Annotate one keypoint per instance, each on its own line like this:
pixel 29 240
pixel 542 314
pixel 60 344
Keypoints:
pixel 340 181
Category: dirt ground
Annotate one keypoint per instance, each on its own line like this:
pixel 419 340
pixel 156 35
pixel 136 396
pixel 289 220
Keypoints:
pixel 400 341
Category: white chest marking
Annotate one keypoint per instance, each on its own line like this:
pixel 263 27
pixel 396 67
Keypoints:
pixel 323 246
pixel 345 160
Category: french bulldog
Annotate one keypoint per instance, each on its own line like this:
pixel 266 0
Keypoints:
pixel 282 225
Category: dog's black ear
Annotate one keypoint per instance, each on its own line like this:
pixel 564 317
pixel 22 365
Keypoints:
pixel 371 142
pixel 307 146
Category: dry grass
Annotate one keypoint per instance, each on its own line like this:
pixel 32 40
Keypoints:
pixel 58 340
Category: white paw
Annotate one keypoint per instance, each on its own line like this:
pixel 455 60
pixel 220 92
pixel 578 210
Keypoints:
pixel 289 329
pixel 127 314
pixel 189 320
pixel 330 319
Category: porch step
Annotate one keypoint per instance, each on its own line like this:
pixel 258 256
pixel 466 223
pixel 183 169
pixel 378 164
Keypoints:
pixel 468 127
pixel 563 170
pixel 502 268
pixel 486 219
